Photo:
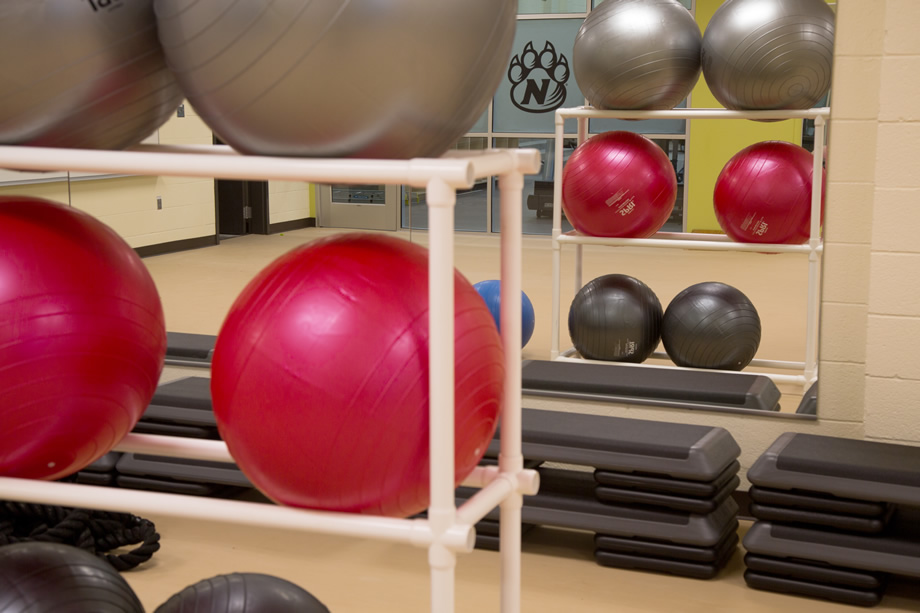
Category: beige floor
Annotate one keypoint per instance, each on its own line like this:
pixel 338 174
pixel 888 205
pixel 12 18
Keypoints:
pixel 353 575
pixel 198 287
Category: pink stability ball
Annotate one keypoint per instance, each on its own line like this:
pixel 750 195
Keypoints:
pixel 763 194
pixel 320 377
pixel 82 335
pixel 618 184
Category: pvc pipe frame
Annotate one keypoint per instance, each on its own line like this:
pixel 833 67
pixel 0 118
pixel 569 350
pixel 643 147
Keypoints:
pixel 813 247
pixel 446 531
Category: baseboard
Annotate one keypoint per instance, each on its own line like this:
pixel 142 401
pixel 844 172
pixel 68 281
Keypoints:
pixel 173 246
pixel 294 224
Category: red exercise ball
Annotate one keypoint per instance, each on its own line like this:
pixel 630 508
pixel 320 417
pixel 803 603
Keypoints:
pixel 82 335
pixel 763 194
pixel 320 377
pixel 618 184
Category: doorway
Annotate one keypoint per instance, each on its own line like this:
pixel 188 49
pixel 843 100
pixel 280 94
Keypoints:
pixel 241 206
pixel 362 207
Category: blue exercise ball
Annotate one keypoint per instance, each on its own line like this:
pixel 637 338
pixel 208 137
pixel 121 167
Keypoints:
pixel 491 293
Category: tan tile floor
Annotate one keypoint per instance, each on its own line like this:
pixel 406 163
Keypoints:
pixel 559 575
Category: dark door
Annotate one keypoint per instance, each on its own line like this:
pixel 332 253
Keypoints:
pixel 242 206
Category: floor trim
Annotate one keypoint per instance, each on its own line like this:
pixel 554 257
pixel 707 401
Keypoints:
pixel 294 224
pixel 185 244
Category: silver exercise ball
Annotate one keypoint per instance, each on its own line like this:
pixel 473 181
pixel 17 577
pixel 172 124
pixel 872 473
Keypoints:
pixel 769 54
pixel 637 54
pixel 365 78
pixel 86 74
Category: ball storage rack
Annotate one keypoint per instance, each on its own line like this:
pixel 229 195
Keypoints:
pixel 448 529
pixel 803 372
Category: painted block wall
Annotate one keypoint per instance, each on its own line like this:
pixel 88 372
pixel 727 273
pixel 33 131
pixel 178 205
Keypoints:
pixel 892 396
pixel 129 204
pixel 289 201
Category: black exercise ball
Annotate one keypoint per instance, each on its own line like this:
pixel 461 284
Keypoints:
pixel 39 577
pixel 243 593
pixel 615 318
pixel 711 325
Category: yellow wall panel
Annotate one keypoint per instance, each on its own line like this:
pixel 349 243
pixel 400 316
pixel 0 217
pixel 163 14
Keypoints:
pixel 712 142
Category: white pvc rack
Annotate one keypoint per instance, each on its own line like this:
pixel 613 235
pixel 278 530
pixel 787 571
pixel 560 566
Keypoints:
pixel 806 370
pixel 447 530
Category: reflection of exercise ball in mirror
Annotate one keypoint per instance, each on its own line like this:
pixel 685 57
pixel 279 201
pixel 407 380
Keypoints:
pixel 637 54
pixel 763 194
pixel 615 318
pixel 618 184
pixel 769 54
pixel 711 325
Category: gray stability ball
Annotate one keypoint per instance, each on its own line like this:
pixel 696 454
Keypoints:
pixel 327 78
pixel 243 593
pixel 769 54
pixel 87 74
pixel 637 54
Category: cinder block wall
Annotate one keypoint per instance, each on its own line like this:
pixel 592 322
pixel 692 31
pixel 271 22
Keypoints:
pixel 871 296
pixel 893 331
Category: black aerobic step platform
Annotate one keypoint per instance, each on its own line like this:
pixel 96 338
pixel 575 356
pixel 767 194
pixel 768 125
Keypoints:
pixel 659 386
pixel 678 503
pixel 668 485
pixel 818 573
pixel 190 392
pixel 847 523
pixel 670 551
pixel 695 570
pixel 896 550
pixel 847 468
pixel 191 347
pixel 188 488
pixel 182 402
pixel 826 591
pixel 809 403
pixel 683 560
pixel 566 500
pixel 100 472
pixel 682 451
pixel 182 469
pixel 813 501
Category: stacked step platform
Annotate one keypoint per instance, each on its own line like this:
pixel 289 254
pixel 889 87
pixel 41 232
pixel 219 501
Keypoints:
pixel 835 517
pixel 178 408
pixel 656 495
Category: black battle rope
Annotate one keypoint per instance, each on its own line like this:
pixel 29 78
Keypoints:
pixel 98 532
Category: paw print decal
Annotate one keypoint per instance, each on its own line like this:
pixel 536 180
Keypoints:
pixel 538 79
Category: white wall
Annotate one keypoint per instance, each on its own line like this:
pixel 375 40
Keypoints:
pixel 289 201
pixel 129 204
